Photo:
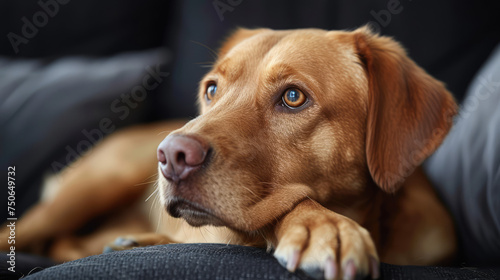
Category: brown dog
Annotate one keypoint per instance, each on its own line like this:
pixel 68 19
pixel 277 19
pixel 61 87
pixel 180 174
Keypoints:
pixel 309 142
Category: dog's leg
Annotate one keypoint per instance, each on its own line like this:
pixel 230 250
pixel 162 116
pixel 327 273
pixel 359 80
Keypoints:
pixel 111 175
pixel 71 247
pixel 137 240
pixel 324 244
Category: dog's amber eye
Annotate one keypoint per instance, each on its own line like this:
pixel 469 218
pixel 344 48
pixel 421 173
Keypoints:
pixel 294 98
pixel 211 90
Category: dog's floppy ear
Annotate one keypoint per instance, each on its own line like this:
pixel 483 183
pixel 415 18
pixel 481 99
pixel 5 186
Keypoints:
pixel 409 112
pixel 236 37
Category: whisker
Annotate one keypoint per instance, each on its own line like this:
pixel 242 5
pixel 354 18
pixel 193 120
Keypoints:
pixel 164 132
pixel 249 190
pixel 230 239
pixel 211 51
pixel 160 217
pixel 156 189
pixel 145 183
pixel 154 175
pixel 200 230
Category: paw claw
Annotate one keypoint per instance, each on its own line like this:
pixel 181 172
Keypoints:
pixel 374 268
pixel 125 242
pixel 350 270
pixel 118 241
pixel 107 249
pixel 293 260
pixel 281 260
pixel 330 269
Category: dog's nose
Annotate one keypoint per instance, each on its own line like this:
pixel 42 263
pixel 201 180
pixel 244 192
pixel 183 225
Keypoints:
pixel 180 155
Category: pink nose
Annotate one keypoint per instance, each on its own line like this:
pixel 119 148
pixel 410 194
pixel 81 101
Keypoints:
pixel 180 156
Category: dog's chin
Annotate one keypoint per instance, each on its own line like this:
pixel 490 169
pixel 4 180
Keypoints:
pixel 194 214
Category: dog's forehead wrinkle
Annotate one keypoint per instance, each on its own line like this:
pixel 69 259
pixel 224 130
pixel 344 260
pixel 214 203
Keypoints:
pixel 278 73
pixel 297 46
pixel 262 42
pixel 246 54
pixel 264 47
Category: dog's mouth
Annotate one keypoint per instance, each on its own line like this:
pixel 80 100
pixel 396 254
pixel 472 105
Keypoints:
pixel 194 214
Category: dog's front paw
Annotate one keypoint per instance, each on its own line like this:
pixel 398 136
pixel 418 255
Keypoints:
pixel 133 241
pixel 325 244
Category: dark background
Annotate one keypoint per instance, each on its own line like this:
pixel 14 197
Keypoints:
pixel 450 39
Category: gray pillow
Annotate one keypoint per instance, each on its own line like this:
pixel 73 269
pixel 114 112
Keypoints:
pixel 53 111
pixel 466 168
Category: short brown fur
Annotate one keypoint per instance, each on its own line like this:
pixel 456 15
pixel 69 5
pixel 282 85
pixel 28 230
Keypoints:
pixel 336 182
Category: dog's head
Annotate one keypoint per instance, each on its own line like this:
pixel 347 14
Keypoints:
pixel 291 115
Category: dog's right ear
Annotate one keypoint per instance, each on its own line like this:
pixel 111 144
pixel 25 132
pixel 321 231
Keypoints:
pixel 237 37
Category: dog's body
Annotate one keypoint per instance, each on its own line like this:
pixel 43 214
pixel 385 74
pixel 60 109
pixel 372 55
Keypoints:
pixel 308 142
